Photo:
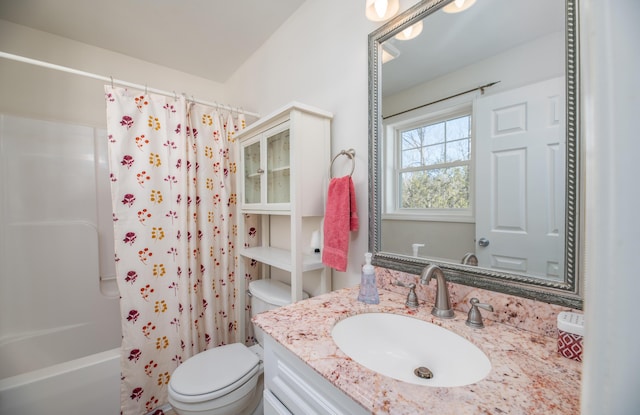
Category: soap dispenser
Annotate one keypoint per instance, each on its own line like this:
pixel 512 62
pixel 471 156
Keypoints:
pixel 368 290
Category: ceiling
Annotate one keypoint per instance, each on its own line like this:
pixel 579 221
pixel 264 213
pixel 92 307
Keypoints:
pixel 206 38
pixel 213 38
pixel 449 42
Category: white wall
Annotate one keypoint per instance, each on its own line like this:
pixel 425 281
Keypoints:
pixel 611 87
pixel 538 60
pixel 46 94
pixel 449 241
pixel 319 57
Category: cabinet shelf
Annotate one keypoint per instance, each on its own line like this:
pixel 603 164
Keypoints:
pixel 281 258
pixel 273 170
pixel 279 169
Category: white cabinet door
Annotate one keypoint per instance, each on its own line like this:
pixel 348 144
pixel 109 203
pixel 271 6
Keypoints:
pixel 277 145
pixel 266 164
pixel 252 172
pixel 520 157
pixel 272 406
pixel 299 388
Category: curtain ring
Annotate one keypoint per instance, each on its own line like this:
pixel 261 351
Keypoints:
pixel 146 91
pixel 111 81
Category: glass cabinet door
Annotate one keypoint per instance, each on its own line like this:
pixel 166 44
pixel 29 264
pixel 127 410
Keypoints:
pixel 252 173
pixel 278 167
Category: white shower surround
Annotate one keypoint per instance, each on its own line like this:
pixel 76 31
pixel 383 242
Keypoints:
pixel 56 243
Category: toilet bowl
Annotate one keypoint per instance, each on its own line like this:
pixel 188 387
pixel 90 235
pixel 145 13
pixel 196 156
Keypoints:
pixel 227 380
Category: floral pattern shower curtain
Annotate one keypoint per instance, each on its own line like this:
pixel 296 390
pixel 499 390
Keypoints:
pixel 173 169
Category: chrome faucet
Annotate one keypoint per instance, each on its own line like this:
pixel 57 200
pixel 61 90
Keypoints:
pixel 442 308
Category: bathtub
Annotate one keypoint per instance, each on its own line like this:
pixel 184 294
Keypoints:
pixel 60 336
pixel 88 385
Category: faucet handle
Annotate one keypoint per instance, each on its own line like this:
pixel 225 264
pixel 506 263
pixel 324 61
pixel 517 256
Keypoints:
pixel 474 318
pixel 412 298
pixel 470 259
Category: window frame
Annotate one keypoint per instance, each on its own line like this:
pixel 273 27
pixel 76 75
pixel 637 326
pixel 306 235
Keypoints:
pixel 392 158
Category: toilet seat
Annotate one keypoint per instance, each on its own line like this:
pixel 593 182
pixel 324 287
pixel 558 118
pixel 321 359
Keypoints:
pixel 214 373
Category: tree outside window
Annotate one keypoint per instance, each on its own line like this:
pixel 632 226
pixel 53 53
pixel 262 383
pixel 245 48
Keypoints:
pixel 434 165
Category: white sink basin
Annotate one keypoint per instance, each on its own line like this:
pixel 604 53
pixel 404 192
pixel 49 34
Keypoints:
pixel 395 345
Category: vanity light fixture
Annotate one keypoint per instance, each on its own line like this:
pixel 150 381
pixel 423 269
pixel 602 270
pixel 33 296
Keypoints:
pixel 458 6
pixel 410 32
pixel 380 10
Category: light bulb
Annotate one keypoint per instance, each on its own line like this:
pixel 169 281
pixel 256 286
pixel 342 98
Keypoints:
pixel 458 6
pixel 381 10
pixel 381 7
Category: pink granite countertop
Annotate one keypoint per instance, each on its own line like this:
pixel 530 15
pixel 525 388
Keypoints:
pixel 527 376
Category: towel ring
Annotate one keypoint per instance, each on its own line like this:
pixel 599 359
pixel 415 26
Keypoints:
pixel 351 153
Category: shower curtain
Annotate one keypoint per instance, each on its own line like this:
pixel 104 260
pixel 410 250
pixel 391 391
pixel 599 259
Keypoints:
pixel 173 169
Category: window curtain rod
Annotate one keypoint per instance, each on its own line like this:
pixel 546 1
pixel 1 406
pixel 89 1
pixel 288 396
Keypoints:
pixel 116 81
pixel 481 88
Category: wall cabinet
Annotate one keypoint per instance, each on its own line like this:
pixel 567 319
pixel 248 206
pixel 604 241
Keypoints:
pixel 284 165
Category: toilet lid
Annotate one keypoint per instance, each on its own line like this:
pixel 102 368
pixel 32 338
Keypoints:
pixel 215 372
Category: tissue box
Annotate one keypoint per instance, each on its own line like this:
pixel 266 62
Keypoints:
pixel 570 333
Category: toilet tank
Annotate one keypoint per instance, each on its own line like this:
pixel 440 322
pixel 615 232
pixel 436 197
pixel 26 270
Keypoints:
pixel 268 295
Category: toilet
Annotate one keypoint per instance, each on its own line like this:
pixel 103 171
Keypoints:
pixel 228 380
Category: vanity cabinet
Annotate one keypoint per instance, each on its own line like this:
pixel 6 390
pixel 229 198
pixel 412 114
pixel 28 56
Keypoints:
pixel 292 387
pixel 284 166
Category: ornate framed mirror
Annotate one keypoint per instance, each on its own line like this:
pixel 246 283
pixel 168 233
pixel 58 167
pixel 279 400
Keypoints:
pixel 475 156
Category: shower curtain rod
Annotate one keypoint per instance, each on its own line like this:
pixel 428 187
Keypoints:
pixel 109 79
pixel 481 88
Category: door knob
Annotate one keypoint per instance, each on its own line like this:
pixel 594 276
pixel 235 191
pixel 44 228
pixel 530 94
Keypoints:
pixel 483 242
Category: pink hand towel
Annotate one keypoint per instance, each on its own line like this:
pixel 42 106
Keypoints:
pixel 340 217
